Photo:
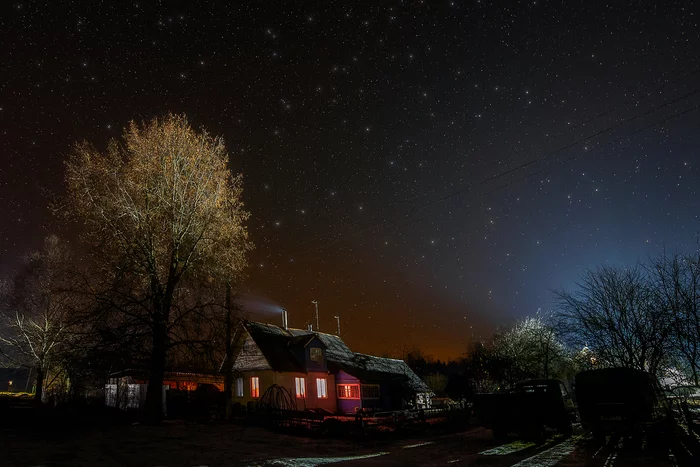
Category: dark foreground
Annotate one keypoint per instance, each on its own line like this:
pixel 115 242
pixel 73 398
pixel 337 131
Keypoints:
pixel 59 439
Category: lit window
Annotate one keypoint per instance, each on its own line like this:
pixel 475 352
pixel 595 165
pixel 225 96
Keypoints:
pixel 321 388
pixel 239 387
pixel 316 354
pixel 301 387
pixel 254 386
pixel 348 391
pixel 370 391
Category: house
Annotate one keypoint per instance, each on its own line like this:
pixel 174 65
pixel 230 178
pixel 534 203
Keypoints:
pixel 17 380
pixel 321 373
pixel 127 389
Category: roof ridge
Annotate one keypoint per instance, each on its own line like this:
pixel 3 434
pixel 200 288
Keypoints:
pixel 383 358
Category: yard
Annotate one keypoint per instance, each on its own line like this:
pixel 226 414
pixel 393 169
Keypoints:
pixel 97 437
pixel 171 443
pixel 106 437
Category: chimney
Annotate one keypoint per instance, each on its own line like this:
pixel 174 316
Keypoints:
pixel 284 319
pixel 311 327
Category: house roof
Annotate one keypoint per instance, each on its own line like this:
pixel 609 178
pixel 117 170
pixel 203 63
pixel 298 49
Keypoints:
pixel 336 350
pixel 391 366
pixel 274 343
pixel 277 345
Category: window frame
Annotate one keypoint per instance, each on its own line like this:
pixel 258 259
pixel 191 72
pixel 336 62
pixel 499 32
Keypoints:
pixel 322 388
pixel 349 385
pixel 255 387
pixel 300 383
pixel 319 354
pixel 372 386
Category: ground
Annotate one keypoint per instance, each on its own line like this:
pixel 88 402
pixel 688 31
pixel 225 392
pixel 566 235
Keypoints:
pixel 59 439
pixel 226 445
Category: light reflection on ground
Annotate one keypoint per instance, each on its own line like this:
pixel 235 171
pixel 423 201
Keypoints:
pixel 314 461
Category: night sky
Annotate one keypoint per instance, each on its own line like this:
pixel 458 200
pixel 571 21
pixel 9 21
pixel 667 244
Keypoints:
pixel 418 168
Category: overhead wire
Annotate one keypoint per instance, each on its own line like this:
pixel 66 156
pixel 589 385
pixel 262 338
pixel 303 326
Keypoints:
pixel 453 194
pixel 406 214
pixel 315 238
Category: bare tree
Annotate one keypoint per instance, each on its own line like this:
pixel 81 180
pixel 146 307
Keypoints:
pixel 677 281
pixel 615 313
pixel 159 208
pixel 36 316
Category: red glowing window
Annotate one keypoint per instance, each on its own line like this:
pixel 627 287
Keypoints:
pixel 254 386
pixel 348 391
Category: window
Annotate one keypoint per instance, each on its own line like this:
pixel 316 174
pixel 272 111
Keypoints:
pixel 370 391
pixel 301 387
pixel 348 391
pixel 239 387
pixel 254 386
pixel 316 354
pixel 321 388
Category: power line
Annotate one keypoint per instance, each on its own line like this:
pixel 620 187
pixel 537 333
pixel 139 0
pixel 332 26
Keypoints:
pixel 624 103
pixel 491 190
pixel 314 239
pixel 595 135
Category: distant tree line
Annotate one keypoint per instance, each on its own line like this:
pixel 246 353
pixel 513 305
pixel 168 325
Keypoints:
pixel 645 317
pixel 162 238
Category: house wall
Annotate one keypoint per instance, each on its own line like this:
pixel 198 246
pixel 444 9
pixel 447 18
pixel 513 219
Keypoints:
pixel 129 393
pixel 347 405
pixel 287 381
pixel 382 403
pixel 392 395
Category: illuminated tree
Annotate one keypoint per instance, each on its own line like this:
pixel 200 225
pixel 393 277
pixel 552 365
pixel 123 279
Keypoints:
pixel 530 349
pixel 160 209
pixel 35 319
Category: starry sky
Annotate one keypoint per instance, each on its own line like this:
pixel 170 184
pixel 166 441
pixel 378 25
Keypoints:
pixel 427 170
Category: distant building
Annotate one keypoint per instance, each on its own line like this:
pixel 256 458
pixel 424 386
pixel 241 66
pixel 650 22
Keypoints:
pixel 127 389
pixel 322 373
pixel 17 380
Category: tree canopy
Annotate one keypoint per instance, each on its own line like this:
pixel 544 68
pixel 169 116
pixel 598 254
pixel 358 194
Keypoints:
pixel 161 212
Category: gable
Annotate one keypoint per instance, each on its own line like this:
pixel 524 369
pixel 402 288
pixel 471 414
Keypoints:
pixel 315 341
pixel 251 357
pixel 272 343
pixel 337 351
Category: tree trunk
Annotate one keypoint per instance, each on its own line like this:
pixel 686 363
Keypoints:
pixel 39 392
pixel 228 368
pixel 154 394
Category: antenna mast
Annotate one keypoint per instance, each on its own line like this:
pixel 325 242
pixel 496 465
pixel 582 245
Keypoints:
pixel 318 328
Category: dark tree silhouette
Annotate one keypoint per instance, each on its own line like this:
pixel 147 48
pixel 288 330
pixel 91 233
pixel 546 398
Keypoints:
pixel 616 313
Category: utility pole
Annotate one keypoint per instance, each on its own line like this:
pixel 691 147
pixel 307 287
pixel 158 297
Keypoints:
pixel 337 318
pixel 228 368
pixel 318 328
